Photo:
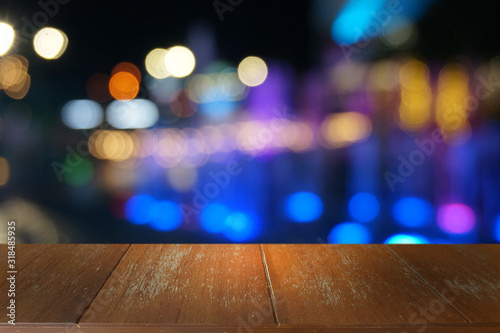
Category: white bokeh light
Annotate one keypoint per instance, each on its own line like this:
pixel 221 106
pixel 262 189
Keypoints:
pixel 6 37
pixel 82 114
pixel 50 43
pixel 136 113
pixel 155 64
pixel 179 61
pixel 252 71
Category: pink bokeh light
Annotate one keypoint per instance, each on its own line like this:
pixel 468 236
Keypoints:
pixel 456 218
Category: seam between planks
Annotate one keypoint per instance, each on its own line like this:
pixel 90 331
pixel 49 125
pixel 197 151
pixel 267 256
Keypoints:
pixel 100 288
pixel 428 284
pixel 269 285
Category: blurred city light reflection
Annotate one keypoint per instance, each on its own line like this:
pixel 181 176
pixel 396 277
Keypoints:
pixel 50 43
pixel 179 61
pixel 252 71
pixel 361 129
pixel 7 36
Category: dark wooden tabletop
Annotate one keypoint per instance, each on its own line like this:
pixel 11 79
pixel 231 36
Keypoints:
pixel 254 288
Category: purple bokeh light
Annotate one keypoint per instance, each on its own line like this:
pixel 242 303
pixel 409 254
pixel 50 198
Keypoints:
pixel 456 218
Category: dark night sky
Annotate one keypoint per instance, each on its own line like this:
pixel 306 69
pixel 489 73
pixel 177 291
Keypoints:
pixel 104 33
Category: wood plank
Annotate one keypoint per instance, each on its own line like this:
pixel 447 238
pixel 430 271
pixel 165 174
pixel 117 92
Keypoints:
pixel 468 276
pixel 25 253
pixel 358 285
pixel 216 329
pixel 59 284
pixel 219 284
pixel 367 283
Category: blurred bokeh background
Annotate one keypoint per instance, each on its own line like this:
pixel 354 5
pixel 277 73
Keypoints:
pixel 340 121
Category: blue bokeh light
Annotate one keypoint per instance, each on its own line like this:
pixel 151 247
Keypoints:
pixel 303 207
pixel 361 20
pixel 412 212
pixel 218 109
pixel 166 216
pixel 497 229
pixel 240 227
pixel 139 208
pixel 351 23
pixel 364 207
pixel 349 233
pixel 213 217
pixel 406 239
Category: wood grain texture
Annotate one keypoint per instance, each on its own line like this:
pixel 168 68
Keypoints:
pixel 358 285
pixel 25 253
pixel 468 276
pixel 59 283
pixel 225 288
pixel 222 285
pixel 219 329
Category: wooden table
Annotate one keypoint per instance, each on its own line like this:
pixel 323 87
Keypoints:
pixel 254 288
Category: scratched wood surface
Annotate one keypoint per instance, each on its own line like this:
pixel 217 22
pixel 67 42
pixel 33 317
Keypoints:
pixel 185 284
pixel 29 253
pixel 256 288
pixel 219 329
pixel 58 283
pixel 347 285
pixel 468 276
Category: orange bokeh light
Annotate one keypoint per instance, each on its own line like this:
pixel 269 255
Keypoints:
pixel 129 68
pixel 123 86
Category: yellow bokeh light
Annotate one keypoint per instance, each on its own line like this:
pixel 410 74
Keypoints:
pixel 416 96
pixel 451 106
pixel 298 136
pixel 94 144
pixel 4 171
pixel 14 77
pixel 252 71
pixel 12 70
pixel 155 64
pixel 179 61
pixel 20 90
pixel 50 43
pixel 112 145
pixel 343 129
pixel 6 37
